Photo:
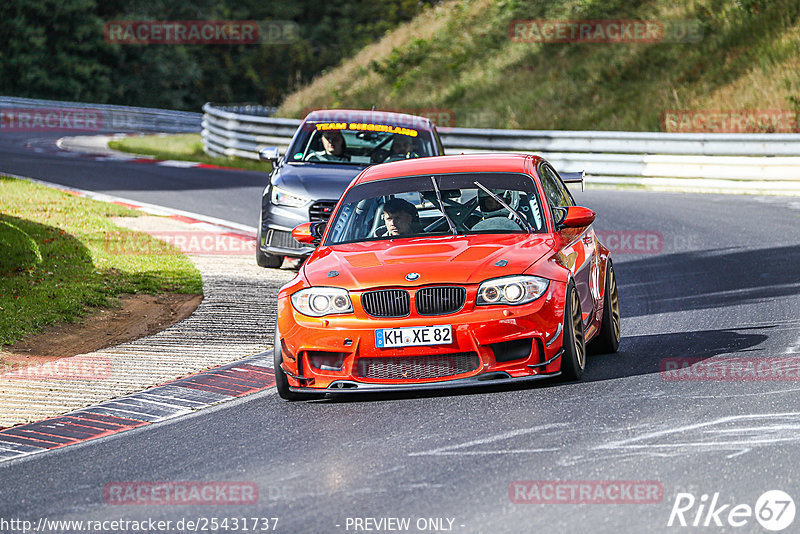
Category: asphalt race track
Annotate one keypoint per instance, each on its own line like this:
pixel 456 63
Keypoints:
pixel 712 276
pixel 229 195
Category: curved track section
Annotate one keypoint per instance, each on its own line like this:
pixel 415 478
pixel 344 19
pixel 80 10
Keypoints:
pixel 707 277
pixel 233 196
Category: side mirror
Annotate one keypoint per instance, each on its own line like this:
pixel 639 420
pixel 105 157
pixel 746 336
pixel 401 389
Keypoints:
pixel 271 154
pixel 309 233
pixel 575 217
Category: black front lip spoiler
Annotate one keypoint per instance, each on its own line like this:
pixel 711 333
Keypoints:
pixel 492 379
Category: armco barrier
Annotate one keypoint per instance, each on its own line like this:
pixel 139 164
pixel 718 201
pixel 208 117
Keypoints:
pixel 734 162
pixel 724 162
pixel 111 118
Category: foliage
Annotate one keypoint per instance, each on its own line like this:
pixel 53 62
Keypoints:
pixel 459 57
pixel 57 50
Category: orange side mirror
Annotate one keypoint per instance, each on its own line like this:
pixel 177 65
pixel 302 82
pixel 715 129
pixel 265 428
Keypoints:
pixel 309 233
pixel 302 233
pixel 578 217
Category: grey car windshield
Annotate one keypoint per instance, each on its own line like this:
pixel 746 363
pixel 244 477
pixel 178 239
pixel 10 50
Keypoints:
pixel 381 144
pixel 474 203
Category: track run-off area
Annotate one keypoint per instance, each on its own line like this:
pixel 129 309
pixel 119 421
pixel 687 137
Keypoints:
pixel 633 447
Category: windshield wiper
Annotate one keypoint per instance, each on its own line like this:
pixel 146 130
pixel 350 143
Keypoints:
pixel 517 215
pixel 441 205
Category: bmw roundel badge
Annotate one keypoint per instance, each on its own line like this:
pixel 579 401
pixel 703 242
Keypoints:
pixel 412 276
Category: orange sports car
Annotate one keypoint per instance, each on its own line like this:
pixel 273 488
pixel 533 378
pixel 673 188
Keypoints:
pixel 446 272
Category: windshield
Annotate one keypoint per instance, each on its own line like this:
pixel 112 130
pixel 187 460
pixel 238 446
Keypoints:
pixel 474 203
pixel 360 144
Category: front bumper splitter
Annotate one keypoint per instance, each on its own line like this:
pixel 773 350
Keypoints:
pixel 490 379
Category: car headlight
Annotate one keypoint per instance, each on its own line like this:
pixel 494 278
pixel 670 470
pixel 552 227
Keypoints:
pixel 511 290
pixel 281 197
pixel 319 301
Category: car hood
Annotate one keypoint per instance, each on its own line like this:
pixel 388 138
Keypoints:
pixel 316 180
pixel 441 260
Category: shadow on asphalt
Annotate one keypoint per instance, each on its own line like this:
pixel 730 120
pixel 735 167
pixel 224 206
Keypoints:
pixel 707 279
pixel 642 355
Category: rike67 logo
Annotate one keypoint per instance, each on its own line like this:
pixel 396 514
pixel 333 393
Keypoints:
pixel 774 510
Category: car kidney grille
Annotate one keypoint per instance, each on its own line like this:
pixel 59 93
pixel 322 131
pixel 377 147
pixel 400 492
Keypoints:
pixel 387 303
pixel 418 367
pixel 440 300
pixel 321 210
pixel 281 239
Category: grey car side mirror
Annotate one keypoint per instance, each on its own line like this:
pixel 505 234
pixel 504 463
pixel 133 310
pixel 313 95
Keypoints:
pixel 270 153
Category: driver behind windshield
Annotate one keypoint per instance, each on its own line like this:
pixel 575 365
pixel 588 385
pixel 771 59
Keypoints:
pixel 401 217
pixel 334 148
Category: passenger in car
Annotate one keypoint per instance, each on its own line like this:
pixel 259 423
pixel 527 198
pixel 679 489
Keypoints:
pixel 334 147
pixel 493 215
pixel 402 148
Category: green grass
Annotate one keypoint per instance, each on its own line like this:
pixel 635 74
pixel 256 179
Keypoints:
pixel 182 147
pixel 459 57
pixel 61 259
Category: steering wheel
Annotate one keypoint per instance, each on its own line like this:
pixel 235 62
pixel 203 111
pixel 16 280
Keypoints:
pixel 372 153
pixel 458 218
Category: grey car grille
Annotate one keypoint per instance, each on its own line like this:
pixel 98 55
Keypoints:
pixel 281 239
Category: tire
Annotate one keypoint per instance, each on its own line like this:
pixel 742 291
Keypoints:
pixel 573 359
pixel 268 260
pixel 281 382
pixel 607 340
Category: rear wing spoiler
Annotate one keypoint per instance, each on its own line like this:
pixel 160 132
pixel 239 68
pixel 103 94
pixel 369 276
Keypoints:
pixel 574 178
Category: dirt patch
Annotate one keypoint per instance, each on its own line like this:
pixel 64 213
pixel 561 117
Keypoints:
pixel 139 316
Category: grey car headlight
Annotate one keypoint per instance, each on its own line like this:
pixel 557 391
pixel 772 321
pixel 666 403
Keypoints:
pixel 281 197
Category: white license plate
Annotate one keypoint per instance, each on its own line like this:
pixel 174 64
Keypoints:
pixel 413 336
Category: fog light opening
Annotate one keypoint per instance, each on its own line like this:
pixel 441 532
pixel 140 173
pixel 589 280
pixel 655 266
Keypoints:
pixel 326 361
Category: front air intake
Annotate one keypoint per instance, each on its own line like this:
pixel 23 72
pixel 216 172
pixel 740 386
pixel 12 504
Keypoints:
pixel 417 367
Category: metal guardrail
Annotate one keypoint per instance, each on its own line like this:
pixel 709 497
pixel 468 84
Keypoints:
pixel 694 144
pixel 716 161
pixel 769 162
pixel 229 133
pixel 109 117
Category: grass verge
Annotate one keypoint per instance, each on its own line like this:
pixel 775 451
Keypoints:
pixel 62 257
pixel 465 61
pixel 181 147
